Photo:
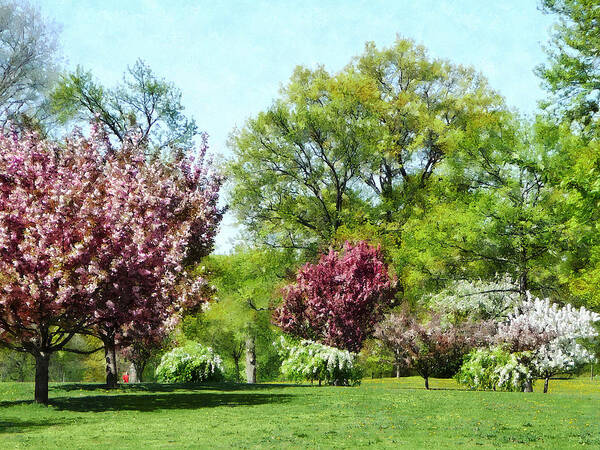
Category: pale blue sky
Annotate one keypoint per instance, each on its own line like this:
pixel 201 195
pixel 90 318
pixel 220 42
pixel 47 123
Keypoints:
pixel 229 58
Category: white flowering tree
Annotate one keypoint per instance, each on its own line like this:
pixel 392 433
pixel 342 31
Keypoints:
pixel 309 360
pixel 478 299
pixel 552 336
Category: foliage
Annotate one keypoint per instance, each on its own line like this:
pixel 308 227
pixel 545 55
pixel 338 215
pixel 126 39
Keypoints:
pixel 338 300
pixel 553 334
pixel 28 63
pixel 309 360
pixel 376 360
pixel 572 72
pixel 93 238
pixel 143 104
pixel 477 299
pixel 51 232
pixel 192 363
pixel 494 212
pixel 337 152
pixel 494 369
pixel 431 349
pixel 246 287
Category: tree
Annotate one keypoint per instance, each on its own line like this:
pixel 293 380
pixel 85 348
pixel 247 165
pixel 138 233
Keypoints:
pixel 340 151
pixel 28 62
pixel 338 300
pixel 238 321
pixel 496 211
pixel 431 349
pixel 552 334
pixel 159 217
pixel 50 235
pixel 143 104
pixel 572 75
pixel 573 70
pixel 93 239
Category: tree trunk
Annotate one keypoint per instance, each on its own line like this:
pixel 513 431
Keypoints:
pixel 250 360
pixel 546 380
pixel 139 370
pixel 133 376
pixel 111 362
pixel 236 362
pixel 398 370
pixel 427 383
pixel 528 386
pixel 42 362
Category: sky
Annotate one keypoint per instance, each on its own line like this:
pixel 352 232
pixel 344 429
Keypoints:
pixel 229 58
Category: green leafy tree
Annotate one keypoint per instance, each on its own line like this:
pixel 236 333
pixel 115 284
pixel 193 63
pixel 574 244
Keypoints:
pixel 573 70
pixel 356 149
pixel 143 103
pixel 494 212
pixel 238 321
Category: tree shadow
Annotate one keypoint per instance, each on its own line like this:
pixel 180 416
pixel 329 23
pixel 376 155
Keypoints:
pixel 14 425
pixel 159 387
pixel 156 402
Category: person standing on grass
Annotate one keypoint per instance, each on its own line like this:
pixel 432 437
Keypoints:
pixel 125 377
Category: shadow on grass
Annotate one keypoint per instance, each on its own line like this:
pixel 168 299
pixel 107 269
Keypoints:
pixel 159 387
pixel 157 401
pixel 14 425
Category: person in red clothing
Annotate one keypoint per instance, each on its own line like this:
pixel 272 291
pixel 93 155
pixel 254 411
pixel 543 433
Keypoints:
pixel 125 377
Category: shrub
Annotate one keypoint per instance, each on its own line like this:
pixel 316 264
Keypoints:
pixel 192 363
pixel 494 369
pixel 309 360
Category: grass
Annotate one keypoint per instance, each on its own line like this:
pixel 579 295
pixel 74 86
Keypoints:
pixel 382 413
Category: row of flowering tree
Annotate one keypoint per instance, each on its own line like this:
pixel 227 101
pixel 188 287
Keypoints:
pixel 94 240
pixel 485 333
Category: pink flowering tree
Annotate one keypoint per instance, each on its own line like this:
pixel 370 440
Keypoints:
pixel 50 233
pixel 94 240
pixel 157 216
pixel 430 348
pixel 338 300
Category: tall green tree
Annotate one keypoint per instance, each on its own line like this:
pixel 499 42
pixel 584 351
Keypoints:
pixel 495 212
pixel 143 103
pixel 238 321
pixel 572 72
pixel 358 148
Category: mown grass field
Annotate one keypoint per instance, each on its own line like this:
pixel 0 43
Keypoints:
pixel 382 413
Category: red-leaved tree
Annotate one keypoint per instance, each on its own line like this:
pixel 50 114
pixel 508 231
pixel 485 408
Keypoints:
pixel 338 300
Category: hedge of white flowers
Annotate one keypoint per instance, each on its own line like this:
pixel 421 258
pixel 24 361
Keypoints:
pixel 192 363
pixel 312 361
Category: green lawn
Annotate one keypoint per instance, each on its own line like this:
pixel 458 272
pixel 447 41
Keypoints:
pixel 382 413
